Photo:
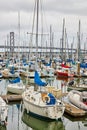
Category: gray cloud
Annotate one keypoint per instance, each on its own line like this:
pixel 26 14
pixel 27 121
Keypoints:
pixel 77 7
pixel 55 11
pixel 15 5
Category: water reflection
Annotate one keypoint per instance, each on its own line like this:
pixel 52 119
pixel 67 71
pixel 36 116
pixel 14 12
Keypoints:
pixel 14 117
pixel 2 127
pixel 20 120
pixel 38 124
pixel 78 123
pixel 75 119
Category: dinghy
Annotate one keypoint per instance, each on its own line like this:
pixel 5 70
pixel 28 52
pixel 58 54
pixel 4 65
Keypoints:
pixel 79 99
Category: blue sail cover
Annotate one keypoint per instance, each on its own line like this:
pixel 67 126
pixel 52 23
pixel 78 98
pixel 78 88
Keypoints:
pixel 16 80
pixel 12 70
pixel 38 81
pixel 48 64
pixel 69 60
pixel 24 60
pixel 25 64
pixel 83 65
pixel 52 99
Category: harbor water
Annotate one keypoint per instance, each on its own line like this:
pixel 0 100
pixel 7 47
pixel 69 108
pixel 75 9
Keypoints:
pixel 18 119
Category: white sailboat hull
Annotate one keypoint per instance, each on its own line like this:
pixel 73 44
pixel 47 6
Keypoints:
pixel 16 88
pixel 40 108
pixel 44 111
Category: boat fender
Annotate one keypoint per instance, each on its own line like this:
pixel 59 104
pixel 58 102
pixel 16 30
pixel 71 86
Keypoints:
pixel 46 98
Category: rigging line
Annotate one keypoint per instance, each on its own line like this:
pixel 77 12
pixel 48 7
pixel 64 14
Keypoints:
pixel 45 18
pixel 31 35
pixel 37 24
pixel 41 26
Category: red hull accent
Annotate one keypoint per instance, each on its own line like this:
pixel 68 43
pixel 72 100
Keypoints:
pixel 63 74
pixel 65 66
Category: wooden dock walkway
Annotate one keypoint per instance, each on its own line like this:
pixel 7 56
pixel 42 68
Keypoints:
pixel 11 98
pixel 74 111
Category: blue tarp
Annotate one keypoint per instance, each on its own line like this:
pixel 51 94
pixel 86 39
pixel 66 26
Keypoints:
pixel 24 60
pixel 12 70
pixel 38 81
pixel 31 63
pixel 1 60
pixel 47 64
pixel 25 64
pixel 83 65
pixel 52 99
pixel 69 60
pixel 16 80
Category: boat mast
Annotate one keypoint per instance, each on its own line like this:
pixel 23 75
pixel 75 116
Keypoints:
pixel 37 23
pixel 19 38
pixel 62 53
pixel 50 41
pixel 79 40
pixel 65 56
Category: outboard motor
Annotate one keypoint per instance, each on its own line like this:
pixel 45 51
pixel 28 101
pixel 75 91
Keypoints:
pixel 71 83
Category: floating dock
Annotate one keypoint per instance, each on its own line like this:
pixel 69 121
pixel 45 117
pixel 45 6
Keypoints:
pixel 73 110
pixel 11 98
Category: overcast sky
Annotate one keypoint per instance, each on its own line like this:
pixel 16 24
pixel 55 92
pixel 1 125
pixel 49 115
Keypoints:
pixel 54 12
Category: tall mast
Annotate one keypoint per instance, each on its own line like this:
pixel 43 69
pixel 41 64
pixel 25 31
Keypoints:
pixel 79 40
pixel 19 37
pixel 65 43
pixel 50 41
pixel 37 23
pixel 63 39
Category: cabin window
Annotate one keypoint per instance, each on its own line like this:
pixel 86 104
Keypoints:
pixel 84 99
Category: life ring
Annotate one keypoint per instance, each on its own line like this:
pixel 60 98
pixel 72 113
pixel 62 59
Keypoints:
pixel 46 98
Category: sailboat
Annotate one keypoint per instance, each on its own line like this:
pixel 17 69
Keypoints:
pixel 42 103
pixel 16 85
